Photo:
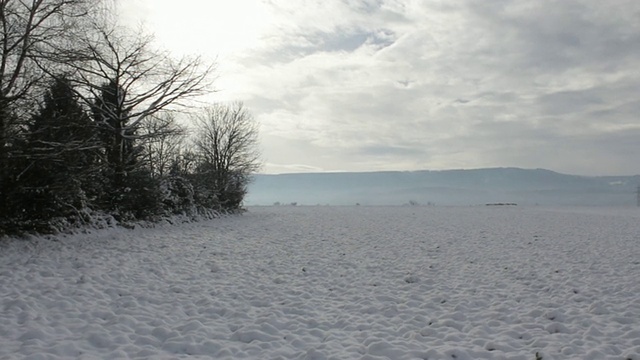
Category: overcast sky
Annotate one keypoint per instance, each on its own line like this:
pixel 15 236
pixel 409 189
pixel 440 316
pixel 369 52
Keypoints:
pixel 363 85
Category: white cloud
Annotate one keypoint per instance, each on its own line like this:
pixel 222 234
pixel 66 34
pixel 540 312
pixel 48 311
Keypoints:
pixel 370 85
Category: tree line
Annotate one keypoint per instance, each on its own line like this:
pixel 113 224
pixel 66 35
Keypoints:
pixel 88 124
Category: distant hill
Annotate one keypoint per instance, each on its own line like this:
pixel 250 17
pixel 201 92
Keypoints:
pixel 448 187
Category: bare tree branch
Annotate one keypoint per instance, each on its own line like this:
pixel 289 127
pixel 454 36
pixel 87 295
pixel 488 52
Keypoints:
pixel 151 80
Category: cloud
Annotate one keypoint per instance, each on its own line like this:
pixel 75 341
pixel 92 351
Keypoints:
pixel 369 85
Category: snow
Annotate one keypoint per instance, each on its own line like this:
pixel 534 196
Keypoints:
pixel 333 283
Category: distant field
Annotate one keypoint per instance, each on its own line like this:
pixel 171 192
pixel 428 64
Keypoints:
pixel 320 282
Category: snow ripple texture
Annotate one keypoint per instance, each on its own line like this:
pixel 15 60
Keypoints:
pixel 333 283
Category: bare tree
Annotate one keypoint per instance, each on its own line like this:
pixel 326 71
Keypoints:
pixel 148 81
pixel 226 143
pixel 126 82
pixel 162 140
pixel 29 30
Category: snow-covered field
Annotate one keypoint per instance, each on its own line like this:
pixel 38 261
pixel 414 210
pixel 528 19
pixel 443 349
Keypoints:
pixel 333 283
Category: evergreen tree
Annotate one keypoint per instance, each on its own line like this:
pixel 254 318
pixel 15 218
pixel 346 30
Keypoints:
pixel 11 166
pixel 59 156
pixel 33 34
pixel 117 138
pixel 131 190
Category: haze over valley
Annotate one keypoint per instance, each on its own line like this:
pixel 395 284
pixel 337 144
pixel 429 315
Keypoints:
pixel 448 187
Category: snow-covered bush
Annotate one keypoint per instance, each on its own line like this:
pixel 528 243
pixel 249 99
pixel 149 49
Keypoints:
pixel 177 195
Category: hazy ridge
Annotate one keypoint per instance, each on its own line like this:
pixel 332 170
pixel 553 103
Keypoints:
pixel 446 187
